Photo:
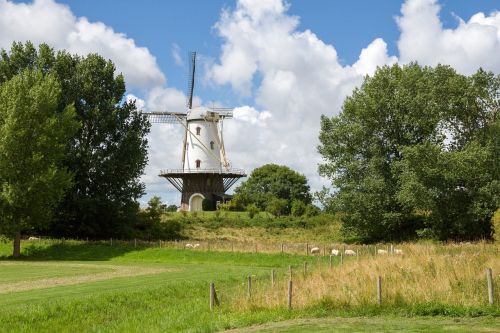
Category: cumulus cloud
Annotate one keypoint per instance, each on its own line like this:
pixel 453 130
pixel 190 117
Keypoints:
pixel 471 44
pixel 297 78
pixel 176 54
pixel 55 24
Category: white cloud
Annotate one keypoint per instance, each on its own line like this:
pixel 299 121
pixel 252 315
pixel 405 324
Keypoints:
pixel 300 78
pixel 53 23
pixel 471 44
pixel 176 54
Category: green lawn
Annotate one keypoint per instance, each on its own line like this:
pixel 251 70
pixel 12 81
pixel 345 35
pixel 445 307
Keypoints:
pixel 172 294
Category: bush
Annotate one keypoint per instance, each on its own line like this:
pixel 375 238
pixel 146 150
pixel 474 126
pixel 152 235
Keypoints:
pixel 208 205
pixel 277 207
pixel 298 208
pixel 171 208
pixel 312 210
pixel 252 210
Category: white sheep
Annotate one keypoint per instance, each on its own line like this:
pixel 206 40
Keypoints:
pixel 380 251
pixel 33 238
pixel 196 245
pixel 335 252
pixel 189 246
pixel 398 251
pixel 315 250
pixel 349 253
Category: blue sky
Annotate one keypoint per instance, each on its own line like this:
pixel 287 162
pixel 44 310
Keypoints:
pixel 348 25
pixel 280 64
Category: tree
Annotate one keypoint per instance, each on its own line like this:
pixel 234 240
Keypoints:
pixel 33 137
pixel 274 181
pixel 108 153
pixel 277 206
pixel 367 147
pixel 298 208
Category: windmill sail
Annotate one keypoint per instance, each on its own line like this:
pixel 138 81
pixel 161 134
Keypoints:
pixel 192 70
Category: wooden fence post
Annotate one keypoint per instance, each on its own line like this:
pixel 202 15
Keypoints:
pixel 305 268
pixel 256 248
pixel 307 249
pixel 489 278
pixel 249 286
pixel 213 296
pixel 135 242
pixel 281 247
pixel 379 290
pixel 330 261
pixel 290 272
pixel 290 294
pixel 341 258
pixel 232 247
pixel 273 279
pixel 111 241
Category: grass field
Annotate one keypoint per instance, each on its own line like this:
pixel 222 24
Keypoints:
pixel 76 287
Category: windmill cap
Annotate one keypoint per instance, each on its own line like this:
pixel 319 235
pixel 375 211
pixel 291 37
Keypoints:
pixel 202 113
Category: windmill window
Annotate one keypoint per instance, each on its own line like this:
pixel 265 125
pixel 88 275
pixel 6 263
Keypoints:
pixel 198 130
pixel 198 164
pixel 212 145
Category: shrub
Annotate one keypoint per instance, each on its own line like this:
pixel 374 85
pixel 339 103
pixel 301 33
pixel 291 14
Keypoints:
pixel 208 205
pixel 276 206
pixel 298 208
pixel 252 210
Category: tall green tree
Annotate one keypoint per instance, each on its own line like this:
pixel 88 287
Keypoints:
pixel 274 181
pixel 108 153
pixel 33 143
pixel 366 145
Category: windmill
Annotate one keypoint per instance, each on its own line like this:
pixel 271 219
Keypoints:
pixel 206 172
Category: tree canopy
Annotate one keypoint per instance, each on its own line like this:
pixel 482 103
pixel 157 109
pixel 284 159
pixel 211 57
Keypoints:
pixel 33 143
pixel 107 154
pixel 274 181
pixel 415 149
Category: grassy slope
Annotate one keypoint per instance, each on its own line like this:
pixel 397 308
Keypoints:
pixel 172 301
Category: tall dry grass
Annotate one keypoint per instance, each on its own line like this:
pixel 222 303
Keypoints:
pixel 447 274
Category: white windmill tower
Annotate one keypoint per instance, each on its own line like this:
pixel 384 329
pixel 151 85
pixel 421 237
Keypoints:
pixel 206 171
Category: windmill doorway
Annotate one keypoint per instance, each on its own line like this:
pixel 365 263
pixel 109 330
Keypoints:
pixel 195 202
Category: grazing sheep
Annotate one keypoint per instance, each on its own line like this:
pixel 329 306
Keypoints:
pixel 350 253
pixel 189 246
pixel 380 251
pixel 196 245
pixel 398 251
pixel 33 238
pixel 315 250
pixel 335 252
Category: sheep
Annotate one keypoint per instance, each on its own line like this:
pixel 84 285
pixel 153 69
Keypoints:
pixel 315 250
pixel 335 252
pixel 349 253
pixel 33 238
pixel 398 251
pixel 196 245
pixel 189 246
pixel 380 251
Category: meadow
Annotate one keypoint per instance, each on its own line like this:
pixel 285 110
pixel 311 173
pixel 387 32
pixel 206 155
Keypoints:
pixel 63 286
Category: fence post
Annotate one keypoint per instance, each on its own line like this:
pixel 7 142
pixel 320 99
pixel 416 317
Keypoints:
pixel 392 249
pixel 489 278
pixel 307 249
pixel 111 241
pixel 249 286
pixel 330 261
pixel 213 296
pixel 379 290
pixel 290 294
pixel 232 247
pixel 341 258
pixel 273 278
pixel 290 271
pixel 208 246
pixel 135 242
pixel 256 248
pixel 305 268
pixel 281 247
pixel 160 243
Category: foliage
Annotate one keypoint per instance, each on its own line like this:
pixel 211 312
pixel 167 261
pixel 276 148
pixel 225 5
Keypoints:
pixel 171 208
pixel 208 204
pixel 152 225
pixel 277 206
pixel 298 208
pixel 33 137
pixel 107 155
pixel 496 226
pixel 274 181
pixel 376 150
pixel 252 210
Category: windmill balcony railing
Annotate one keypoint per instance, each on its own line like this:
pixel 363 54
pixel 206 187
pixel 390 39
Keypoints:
pixel 200 170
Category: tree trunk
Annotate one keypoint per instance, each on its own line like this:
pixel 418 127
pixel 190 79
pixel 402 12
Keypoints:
pixel 17 246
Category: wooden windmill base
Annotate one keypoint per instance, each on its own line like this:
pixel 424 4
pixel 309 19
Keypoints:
pixel 195 187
